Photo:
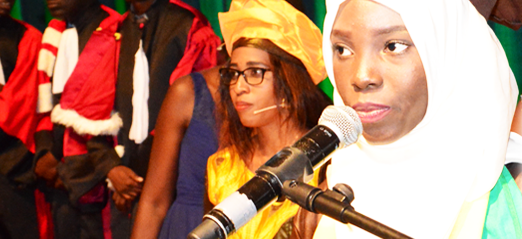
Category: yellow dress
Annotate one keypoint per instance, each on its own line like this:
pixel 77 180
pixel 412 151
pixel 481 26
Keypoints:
pixel 226 173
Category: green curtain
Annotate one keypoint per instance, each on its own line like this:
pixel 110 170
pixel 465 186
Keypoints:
pixel 211 8
pixel 120 6
pixel 48 16
pixel 512 43
pixel 16 11
pixel 320 12
pixel 317 16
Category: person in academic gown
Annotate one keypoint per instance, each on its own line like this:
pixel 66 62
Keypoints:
pixel 74 142
pixel 19 45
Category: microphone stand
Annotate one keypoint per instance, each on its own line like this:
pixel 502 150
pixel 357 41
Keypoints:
pixel 337 205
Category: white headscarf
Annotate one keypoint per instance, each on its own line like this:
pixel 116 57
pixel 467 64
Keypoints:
pixel 418 183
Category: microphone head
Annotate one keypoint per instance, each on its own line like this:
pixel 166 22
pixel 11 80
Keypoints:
pixel 344 121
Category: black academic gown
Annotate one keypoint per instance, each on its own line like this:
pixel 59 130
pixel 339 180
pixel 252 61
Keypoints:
pixel 164 38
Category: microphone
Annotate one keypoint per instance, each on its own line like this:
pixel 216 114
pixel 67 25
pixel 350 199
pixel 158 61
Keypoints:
pixel 269 108
pixel 339 127
pixel 265 109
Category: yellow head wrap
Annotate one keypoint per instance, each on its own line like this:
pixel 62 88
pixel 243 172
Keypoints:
pixel 282 24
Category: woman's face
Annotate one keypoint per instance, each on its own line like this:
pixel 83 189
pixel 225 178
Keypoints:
pixel 378 70
pixel 249 98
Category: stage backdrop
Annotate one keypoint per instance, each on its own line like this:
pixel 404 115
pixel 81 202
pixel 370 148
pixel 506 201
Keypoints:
pixel 36 13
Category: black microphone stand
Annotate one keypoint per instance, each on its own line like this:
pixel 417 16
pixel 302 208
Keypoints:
pixel 337 205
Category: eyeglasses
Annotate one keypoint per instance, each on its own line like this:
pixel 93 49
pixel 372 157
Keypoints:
pixel 252 75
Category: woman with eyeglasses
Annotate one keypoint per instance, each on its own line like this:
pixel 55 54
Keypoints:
pixel 268 100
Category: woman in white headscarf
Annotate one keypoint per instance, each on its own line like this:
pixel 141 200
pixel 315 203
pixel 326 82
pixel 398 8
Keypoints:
pixel 436 96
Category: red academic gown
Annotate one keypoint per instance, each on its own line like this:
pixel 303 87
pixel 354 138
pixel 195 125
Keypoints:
pixel 201 49
pixel 84 145
pixel 17 125
pixel 18 97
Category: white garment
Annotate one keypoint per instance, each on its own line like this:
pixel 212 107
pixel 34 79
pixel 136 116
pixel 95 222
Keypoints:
pixel 418 183
pixel 140 97
pixel 514 149
pixel 66 59
pixel 2 76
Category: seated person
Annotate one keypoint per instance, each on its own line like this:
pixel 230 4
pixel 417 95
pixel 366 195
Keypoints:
pixel 268 100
